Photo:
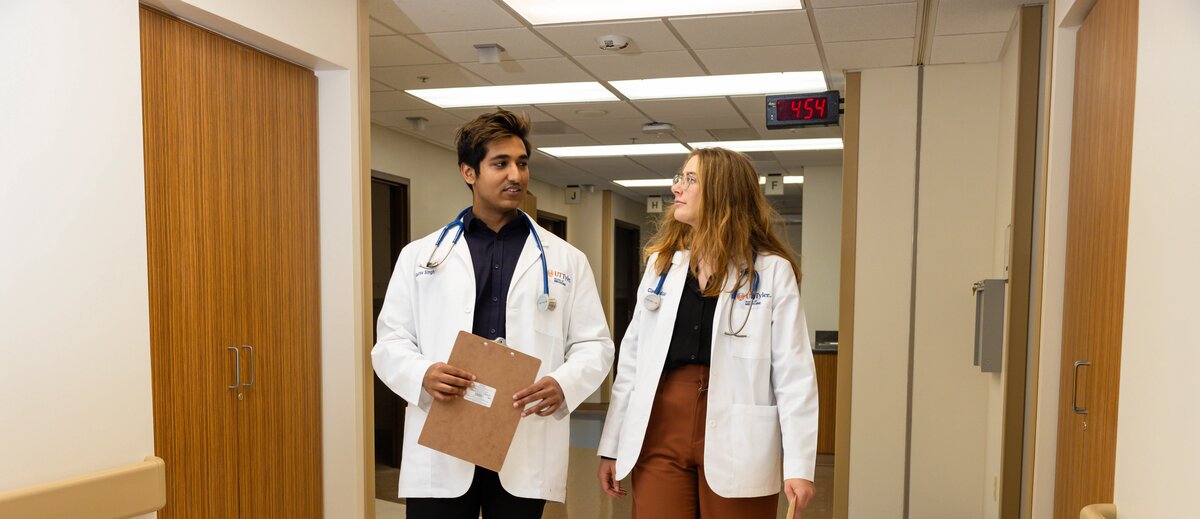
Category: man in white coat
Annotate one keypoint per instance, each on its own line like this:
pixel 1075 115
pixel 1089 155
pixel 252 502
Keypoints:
pixel 510 279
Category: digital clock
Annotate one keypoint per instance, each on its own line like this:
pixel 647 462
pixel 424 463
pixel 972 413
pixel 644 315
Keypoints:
pixel 790 111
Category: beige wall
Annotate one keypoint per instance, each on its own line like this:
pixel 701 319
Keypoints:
pixel 820 247
pixel 75 360
pixel 958 209
pixel 86 259
pixel 887 142
pixel 1157 451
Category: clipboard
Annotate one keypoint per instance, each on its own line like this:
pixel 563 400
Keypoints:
pixel 479 427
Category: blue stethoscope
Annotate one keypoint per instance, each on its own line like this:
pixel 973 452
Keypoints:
pixel 653 300
pixel 544 301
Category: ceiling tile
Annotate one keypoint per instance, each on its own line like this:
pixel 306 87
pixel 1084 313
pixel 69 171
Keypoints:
pixel 549 70
pixel 379 87
pixel 663 165
pixel 709 122
pixel 823 4
pixel 424 16
pixel 391 51
pixel 609 167
pixel 569 111
pixel 968 48
pixel 749 60
pixel 580 39
pixel 379 29
pixel 531 112
pixel 672 109
pixel 880 22
pixel 439 76
pixel 796 159
pixel 745 30
pixel 632 135
pixel 577 139
pixel 399 117
pixel 632 127
pixel 643 65
pixel 519 43
pixel 856 55
pixel 974 16
pixel 397 100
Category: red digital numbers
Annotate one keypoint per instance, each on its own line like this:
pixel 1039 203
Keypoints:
pixel 805 109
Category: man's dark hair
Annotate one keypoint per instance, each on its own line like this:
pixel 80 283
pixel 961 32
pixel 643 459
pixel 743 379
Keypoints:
pixel 472 139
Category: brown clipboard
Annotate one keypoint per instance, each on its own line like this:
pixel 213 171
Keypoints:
pixel 464 427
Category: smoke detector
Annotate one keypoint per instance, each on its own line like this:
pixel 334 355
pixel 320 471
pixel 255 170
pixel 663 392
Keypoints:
pixel 657 128
pixel 613 42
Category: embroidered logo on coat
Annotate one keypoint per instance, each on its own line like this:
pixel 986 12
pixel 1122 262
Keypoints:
pixel 561 278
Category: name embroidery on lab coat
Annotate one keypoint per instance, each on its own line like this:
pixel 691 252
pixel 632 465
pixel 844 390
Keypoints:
pixel 561 278
pixel 424 272
pixel 755 298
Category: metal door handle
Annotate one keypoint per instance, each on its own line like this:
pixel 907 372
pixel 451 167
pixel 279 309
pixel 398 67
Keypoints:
pixel 252 368
pixel 1075 387
pixel 237 367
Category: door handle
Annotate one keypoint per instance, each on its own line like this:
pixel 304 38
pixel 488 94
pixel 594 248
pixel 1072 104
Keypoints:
pixel 253 370
pixel 237 368
pixel 1075 387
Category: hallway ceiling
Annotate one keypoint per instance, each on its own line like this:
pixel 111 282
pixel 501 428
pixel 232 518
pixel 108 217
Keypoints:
pixel 430 44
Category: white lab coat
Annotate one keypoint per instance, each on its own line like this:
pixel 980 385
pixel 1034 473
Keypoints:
pixel 422 314
pixel 762 398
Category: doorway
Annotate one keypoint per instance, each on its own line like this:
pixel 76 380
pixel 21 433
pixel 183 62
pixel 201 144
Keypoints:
pixel 627 240
pixel 390 232
pixel 556 224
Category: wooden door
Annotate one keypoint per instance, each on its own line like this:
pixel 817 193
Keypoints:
pixel 278 290
pixel 190 186
pixel 1097 227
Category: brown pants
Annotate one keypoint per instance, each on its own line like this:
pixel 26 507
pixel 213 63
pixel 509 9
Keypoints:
pixel 668 480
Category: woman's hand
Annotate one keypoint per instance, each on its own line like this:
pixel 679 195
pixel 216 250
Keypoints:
pixel 608 479
pixel 799 490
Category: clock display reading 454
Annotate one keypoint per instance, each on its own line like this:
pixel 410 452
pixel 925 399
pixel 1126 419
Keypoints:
pixel 790 111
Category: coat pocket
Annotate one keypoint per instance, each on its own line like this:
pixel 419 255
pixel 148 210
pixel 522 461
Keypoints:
pixel 757 438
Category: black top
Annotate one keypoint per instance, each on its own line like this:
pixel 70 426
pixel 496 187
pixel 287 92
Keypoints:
pixel 691 339
pixel 494 256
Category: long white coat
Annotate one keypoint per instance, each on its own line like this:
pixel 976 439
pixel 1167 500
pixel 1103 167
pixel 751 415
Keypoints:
pixel 426 308
pixel 762 398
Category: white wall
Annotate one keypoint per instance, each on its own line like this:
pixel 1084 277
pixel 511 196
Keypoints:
pixel 75 360
pixel 87 353
pixel 1157 451
pixel 820 247
pixel 958 200
pixel 436 187
pixel 887 144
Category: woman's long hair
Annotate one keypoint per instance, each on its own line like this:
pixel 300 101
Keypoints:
pixel 735 222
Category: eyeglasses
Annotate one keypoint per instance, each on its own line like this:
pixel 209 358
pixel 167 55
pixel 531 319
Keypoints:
pixel 679 177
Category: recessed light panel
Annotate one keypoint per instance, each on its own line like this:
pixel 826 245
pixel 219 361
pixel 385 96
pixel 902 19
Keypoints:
pixel 501 95
pixel 541 12
pixel 725 85
pixel 616 150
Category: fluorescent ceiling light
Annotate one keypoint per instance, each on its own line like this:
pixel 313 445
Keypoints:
pixel 645 182
pixel 616 150
pixel 773 145
pixel 540 12
pixel 544 93
pixel 666 182
pixel 727 85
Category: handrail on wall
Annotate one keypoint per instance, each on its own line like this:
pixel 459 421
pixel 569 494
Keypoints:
pixel 117 493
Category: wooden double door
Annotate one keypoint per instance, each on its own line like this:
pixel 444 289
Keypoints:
pixel 231 212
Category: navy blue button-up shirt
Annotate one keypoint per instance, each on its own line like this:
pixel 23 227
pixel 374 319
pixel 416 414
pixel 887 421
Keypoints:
pixel 494 256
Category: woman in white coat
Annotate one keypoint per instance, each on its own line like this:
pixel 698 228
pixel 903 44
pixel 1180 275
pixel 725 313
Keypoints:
pixel 715 393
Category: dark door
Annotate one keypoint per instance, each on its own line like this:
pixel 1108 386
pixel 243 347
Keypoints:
pixel 390 225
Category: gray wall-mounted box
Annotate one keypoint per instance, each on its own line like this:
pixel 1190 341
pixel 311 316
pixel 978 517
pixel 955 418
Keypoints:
pixel 989 325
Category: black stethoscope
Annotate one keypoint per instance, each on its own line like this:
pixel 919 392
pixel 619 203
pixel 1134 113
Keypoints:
pixel 653 300
pixel 544 301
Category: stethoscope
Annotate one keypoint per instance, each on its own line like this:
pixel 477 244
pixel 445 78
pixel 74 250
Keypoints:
pixel 544 301
pixel 653 300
